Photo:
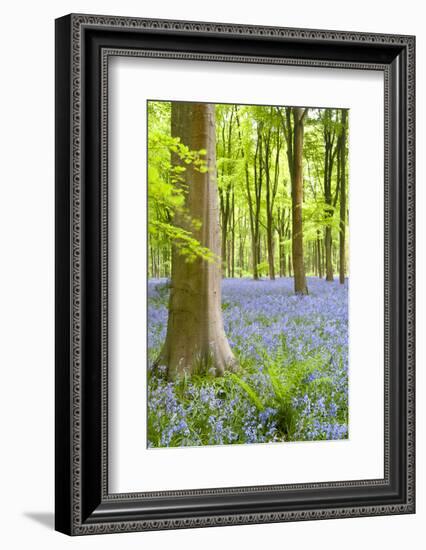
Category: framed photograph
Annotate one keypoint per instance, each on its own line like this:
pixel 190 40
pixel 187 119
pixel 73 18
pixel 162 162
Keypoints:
pixel 234 274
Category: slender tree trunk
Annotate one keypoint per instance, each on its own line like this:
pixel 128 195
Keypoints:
pixel 283 262
pixel 254 215
pixel 319 254
pixel 259 248
pixel 293 132
pixel 342 234
pixel 225 194
pixel 271 183
pixel 254 259
pixel 233 236
pixel 224 216
pixel 241 254
pixel 151 253
pixel 223 248
pixel 328 255
pixel 228 258
pixel 195 334
pixel 258 183
pixel 314 258
pixel 281 258
pixel 280 231
pixel 333 257
pixel 254 205
pixel 167 256
pixel 270 245
pixel 300 286
pixel 158 263
pixel 329 154
pixel 281 236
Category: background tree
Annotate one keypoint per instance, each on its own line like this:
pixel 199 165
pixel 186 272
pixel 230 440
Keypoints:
pixel 272 138
pixel 330 150
pixel 300 286
pixel 225 175
pixel 292 124
pixel 342 183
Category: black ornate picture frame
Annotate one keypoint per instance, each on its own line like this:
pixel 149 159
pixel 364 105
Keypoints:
pixel 84 43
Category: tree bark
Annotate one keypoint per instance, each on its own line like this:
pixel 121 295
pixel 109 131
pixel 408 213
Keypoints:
pixel 319 255
pixel 314 258
pixel 258 182
pixel 293 132
pixel 271 183
pixel 328 255
pixel 300 286
pixel 281 230
pixel 225 194
pixel 254 206
pixel 195 337
pixel 233 236
pixel 342 243
pixel 329 155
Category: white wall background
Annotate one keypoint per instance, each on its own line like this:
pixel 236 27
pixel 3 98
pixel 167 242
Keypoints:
pixel 26 287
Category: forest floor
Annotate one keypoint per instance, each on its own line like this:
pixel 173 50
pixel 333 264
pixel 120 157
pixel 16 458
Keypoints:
pixel 292 384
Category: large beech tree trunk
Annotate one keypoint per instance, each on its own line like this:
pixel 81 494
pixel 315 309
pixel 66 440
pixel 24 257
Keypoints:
pixel 195 335
pixel 300 286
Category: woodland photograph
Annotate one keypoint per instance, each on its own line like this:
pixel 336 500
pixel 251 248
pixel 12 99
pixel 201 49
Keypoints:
pixel 248 273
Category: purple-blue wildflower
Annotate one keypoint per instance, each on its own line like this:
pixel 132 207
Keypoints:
pixel 267 326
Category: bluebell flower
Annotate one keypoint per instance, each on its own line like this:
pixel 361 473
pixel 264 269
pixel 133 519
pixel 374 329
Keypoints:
pixel 261 320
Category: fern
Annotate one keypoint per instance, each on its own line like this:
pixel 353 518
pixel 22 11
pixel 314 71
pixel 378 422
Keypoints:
pixel 249 391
